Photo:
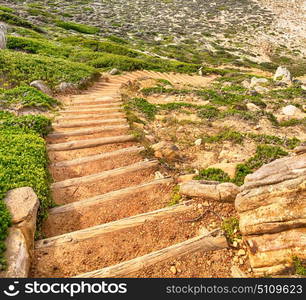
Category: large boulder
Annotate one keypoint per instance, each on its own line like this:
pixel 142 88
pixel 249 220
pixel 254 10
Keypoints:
pixel 41 86
pixel 23 204
pixel 3 31
pixel 272 210
pixel 210 190
pixel 16 255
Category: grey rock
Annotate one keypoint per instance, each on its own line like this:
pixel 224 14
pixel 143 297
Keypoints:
pixel 17 255
pixel 41 86
pixel 23 205
pixel 3 31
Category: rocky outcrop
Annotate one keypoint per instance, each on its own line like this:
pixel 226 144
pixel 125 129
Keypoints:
pixel 272 209
pixel 23 206
pixel 210 190
pixel 41 86
pixel 3 31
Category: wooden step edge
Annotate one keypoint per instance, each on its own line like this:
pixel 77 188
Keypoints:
pixel 92 232
pixel 105 105
pixel 81 144
pixel 83 116
pixel 200 243
pixel 105 174
pixel 87 123
pixel 108 197
pixel 94 102
pixel 87 131
pixel 91 158
pixel 106 109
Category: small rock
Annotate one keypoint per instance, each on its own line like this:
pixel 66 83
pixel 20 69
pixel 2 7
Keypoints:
pixel 236 259
pixel 198 142
pixel 184 178
pixel 241 252
pixel 166 150
pixel 150 138
pixel 291 110
pixel 173 270
pixel 258 81
pixel 159 175
pixel 66 87
pixel 113 71
pixel 252 107
pixel 241 262
pixel 261 89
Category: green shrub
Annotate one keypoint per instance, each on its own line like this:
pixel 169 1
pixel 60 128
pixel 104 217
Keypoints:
pixel 17 68
pixel 17 21
pixel 143 106
pixel 32 45
pixel 23 162
pixel 78 27
pixel 299 266
pixel 225 135
pixel 27 123
pixel 208 112
pixel 27 97
pixel 213 174
pixel 230 227
pixel 264 155
pixel 123 63
pixel 6 9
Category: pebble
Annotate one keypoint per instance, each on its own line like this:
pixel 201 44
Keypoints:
pixel 198 142
pixel 241 252
pixel 173 270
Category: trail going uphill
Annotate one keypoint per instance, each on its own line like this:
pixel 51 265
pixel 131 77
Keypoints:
pixel 113 217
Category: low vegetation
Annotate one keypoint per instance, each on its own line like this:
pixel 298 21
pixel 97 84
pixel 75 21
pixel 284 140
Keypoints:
pixel 22 149
pixel 26 96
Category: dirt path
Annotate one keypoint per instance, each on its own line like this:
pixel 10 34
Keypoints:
pixel 113 217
